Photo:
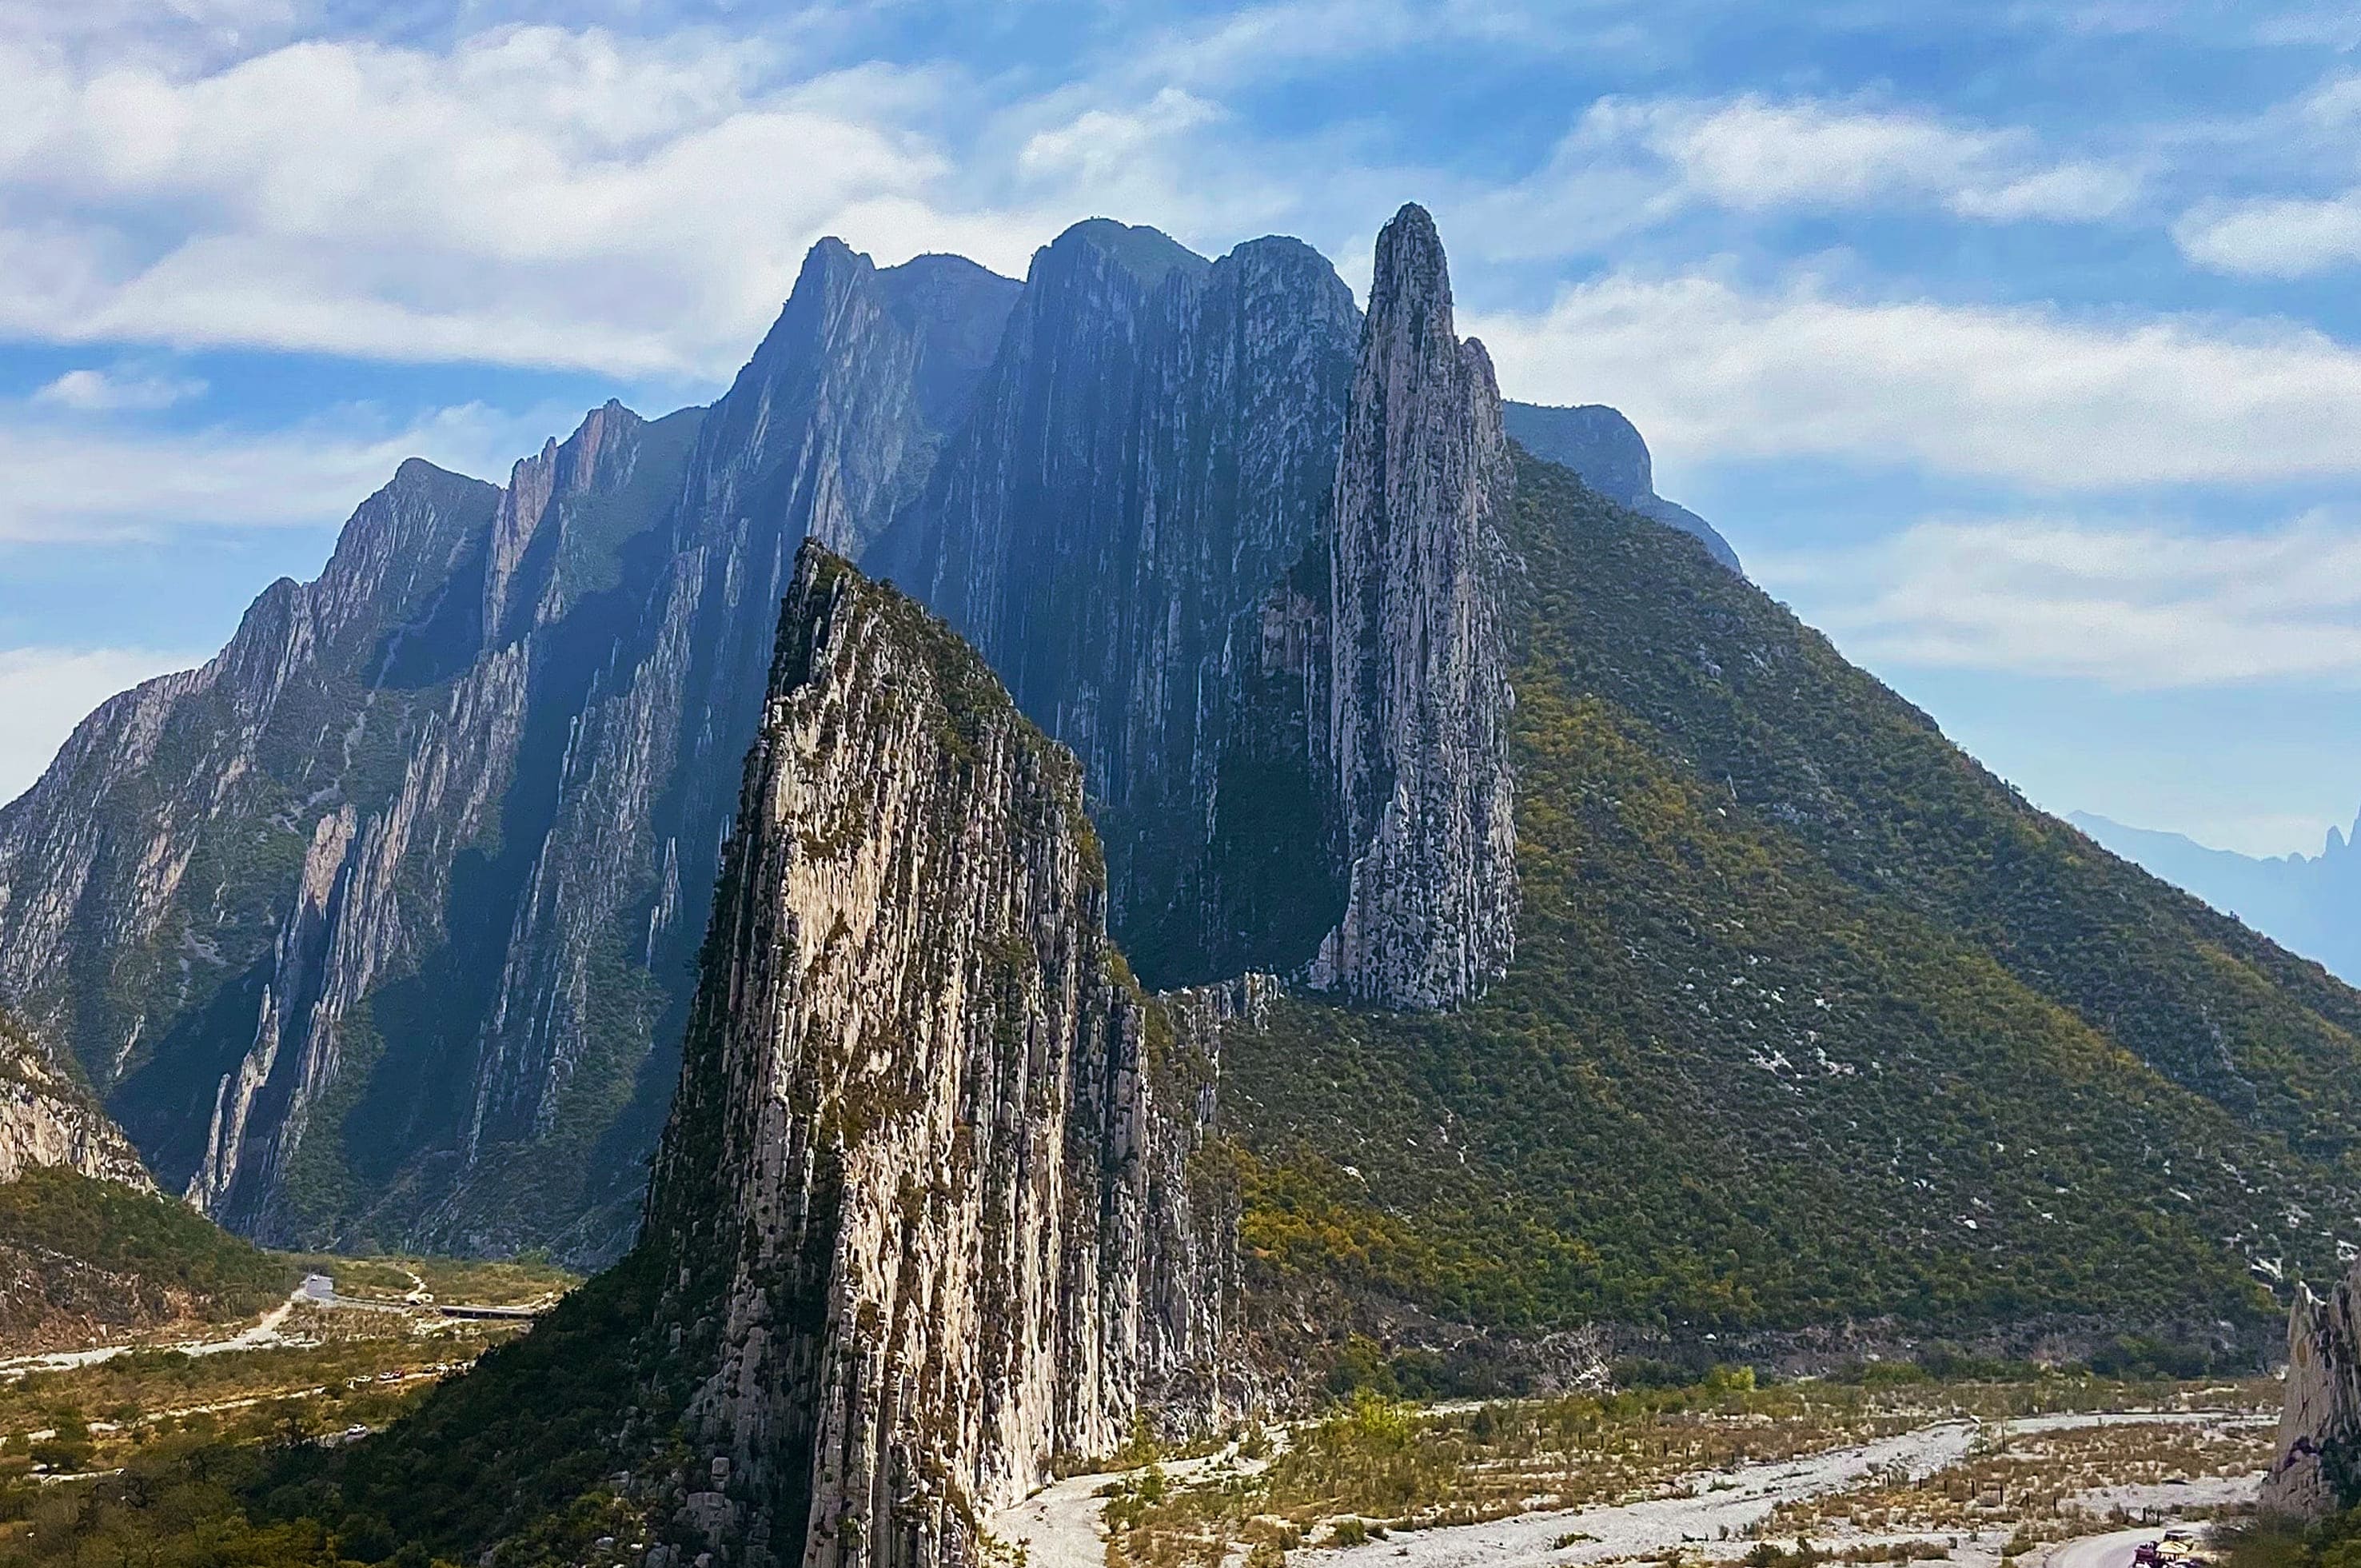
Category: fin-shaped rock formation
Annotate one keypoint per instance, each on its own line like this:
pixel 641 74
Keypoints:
pixel 924 1204
pixel 1420 694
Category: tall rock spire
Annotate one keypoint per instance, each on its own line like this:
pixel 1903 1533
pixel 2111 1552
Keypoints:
pixel 1419 701
pixel 925 1201
pixel 2317 1468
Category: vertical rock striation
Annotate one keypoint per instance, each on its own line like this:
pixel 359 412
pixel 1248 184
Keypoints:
pixel 924 1202
pixel 49 1119
pixel 1419 696
pixel 1149 455
pixel 368 929
pixel 2317 1469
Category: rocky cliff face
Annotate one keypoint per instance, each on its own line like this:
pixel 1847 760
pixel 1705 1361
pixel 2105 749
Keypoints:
pixel 2317 1469
pixel 49 1119
pixel 1419 697
pixel 1149 455
pixel 1599 443
pixel 368 928
pixel 924 1201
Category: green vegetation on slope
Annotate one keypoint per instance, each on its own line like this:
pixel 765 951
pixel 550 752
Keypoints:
pixel 75 1248
pixel 1811 1019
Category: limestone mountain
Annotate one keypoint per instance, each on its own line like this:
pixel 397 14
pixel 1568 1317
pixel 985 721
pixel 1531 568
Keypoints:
pixel 928 1213
pixel 368 928
pixel 1638 960
pixel 49 1118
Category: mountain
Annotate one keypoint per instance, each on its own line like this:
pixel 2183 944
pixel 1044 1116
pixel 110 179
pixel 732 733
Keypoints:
pixel 2311 903
pixel 1602 447
pixel 926 1214
pixel 49 1118
pixel 1633 958
pixel 89 1250
pixel 368 929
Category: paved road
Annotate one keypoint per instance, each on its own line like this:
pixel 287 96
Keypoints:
pixel 2112 1551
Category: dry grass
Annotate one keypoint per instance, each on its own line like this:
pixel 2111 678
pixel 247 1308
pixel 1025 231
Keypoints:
pixel 1376 1466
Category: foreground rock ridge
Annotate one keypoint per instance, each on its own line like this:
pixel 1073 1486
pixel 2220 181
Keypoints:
pixel 47 1118
pixel 1420 694
pixel 923 1204
pixel 2317 1467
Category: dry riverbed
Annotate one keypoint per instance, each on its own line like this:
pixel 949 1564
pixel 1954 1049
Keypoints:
pixel 1971 1477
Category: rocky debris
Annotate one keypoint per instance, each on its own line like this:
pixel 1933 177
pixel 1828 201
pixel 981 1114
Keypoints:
pixel 1604 448
pixel 47 1118
pixel 1420 694
pixel 2317 1468
pixel 926 1197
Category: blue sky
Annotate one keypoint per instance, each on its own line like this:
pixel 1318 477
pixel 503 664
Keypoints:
pixel 2015 345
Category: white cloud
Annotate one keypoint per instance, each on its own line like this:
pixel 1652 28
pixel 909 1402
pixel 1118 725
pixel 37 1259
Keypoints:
pixel 1754 154
pixel 530 195
pixel 1631 164
pixel 100 391
pixel 2024 396
pixel 2275 238
pixel 2135 606
pixel 45 692
pixel 70 484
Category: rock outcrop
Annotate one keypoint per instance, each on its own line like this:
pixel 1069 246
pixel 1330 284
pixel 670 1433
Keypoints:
pixel 1420 694
pixel 2317 1467
pixel 49 1119
pixel 923 1204
pixel 1602 446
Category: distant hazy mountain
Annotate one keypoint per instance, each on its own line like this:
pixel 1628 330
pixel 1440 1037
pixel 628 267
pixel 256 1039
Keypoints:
pixel 1607 450
pixel 2307 902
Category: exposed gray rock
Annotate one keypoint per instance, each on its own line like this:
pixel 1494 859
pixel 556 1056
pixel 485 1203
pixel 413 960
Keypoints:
pixel 47 1118
pixel 368 927
pixel 924 1196
pixel 1419 696
pixel 2317 1468
pixel 1151 451
pixel 1602 446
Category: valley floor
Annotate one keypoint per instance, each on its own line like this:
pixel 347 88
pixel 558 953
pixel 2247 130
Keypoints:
pixel 2061 1489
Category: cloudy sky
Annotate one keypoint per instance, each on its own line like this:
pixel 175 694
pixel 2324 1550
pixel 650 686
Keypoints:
pixel 2017 345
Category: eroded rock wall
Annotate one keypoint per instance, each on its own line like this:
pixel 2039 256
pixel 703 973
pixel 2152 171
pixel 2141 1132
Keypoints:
pixel 926 1199
pixel 49 1119
pixel 2317 1468
pixel 1420 695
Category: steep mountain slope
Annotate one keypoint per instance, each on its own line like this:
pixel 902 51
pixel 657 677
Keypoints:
pixel 368 928
pixel 924 1218
pixel 89 1250
pixel 1810 1019
pixel 2309 903
pixel 47 1118
pixel 1603 449
pixel 1149 455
